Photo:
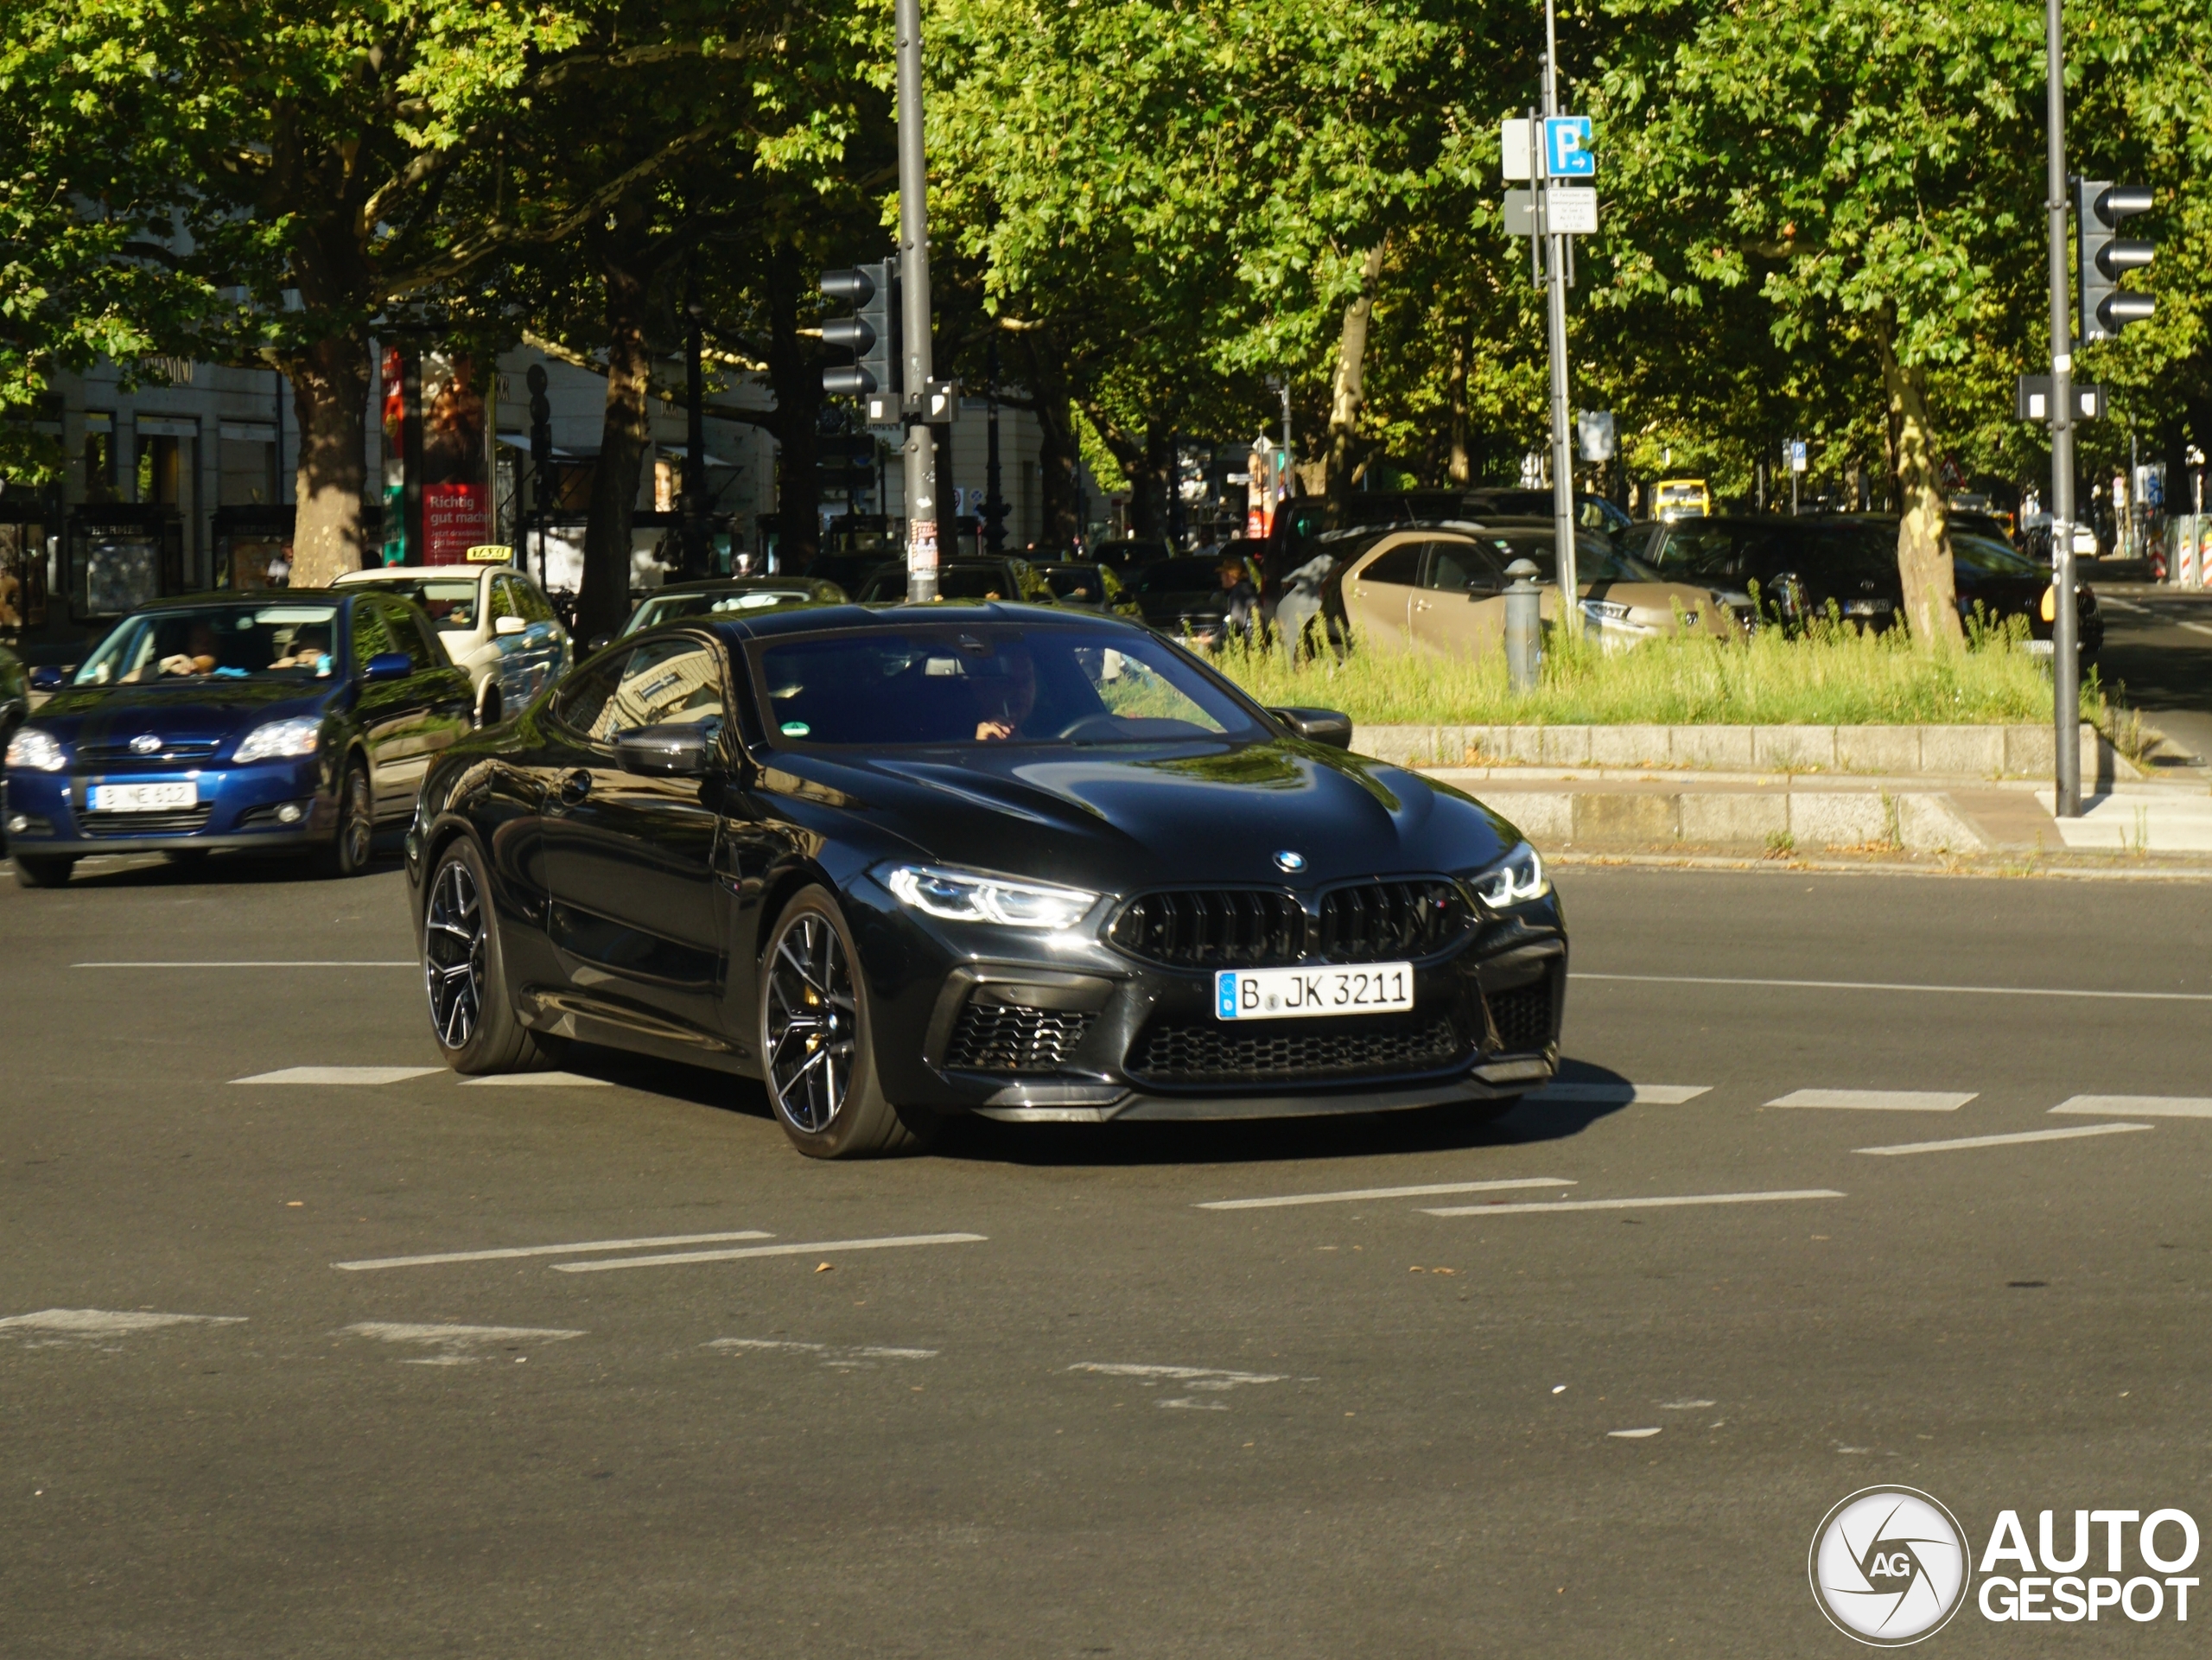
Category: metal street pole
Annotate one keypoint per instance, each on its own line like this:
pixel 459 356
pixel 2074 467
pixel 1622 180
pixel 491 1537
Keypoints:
pixel 1570 607
pixel 994 503
pixel 2065 655
pixel 696 556
pixel 914 297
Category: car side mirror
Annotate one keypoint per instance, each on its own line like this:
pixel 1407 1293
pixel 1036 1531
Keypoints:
pixel 1482 587
pixel 1318 725
pixel 48 678
pixel 508 626
pixel 388 665
pixel 664 751
pixel 597 641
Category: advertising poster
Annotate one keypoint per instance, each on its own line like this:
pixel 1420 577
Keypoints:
pixel 457 495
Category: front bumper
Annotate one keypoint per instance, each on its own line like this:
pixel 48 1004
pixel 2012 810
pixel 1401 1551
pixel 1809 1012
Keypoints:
pixel 1066 1029
pixel 237 808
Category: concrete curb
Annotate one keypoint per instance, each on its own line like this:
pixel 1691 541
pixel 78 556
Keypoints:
pixel 1921 821
pixel 1973 752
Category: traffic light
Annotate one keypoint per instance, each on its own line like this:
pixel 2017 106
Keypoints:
pixel 870 334
pixel 2106 259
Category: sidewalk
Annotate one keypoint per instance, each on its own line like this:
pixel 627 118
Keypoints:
pixel 1592 810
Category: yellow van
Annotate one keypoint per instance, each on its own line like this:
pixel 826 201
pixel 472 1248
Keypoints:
pixel 1682 498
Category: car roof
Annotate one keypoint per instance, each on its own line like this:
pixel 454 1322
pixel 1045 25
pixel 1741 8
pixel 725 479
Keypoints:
pixel 853 618
pixel 409 573
pixel 257 597
pixel 737 584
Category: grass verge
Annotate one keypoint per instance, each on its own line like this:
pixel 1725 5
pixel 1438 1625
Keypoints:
pixel 1827 676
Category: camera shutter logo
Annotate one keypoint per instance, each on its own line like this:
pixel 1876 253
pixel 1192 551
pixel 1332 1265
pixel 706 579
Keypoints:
pixel 1889 1566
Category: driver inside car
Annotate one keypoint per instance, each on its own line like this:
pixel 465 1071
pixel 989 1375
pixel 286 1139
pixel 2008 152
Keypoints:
pixel 1007 698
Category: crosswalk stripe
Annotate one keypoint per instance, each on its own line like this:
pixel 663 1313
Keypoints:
pixel 815 1247
pixel 1427 1190
pixel 340 1075
pixel 1665 1202
pixel 579 1248
pixel 2140 1106
pixel 2013 1139
pixel 1656 1095
pixel 1876 1100
pixel 535 1081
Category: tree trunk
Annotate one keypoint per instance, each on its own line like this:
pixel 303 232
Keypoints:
pixel 604 604
pixel 1931 602
pixel 1459 470
pixel 1129 453
pixel 1346 392
pixel 1159 479
pixel 795 376
pixel 330 399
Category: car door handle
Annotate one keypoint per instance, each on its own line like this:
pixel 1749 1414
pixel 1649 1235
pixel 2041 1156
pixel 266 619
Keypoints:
pixel 575 787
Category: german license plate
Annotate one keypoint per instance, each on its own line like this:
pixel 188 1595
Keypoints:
pixel 144 798
pixel 1292 994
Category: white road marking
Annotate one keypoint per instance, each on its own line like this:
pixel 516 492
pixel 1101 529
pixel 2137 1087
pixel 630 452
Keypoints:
pixel 1686 1406
pixel 1211 1379
pixel 52 1326
pixel 823 1246
pixel 2111 604
pixel 1664 1203
pixel 1651 1095
pixel 578 1248
pixel 457 1344
pixel 2145 1106
pixel 2015 1139
pixel 1876 1100
pixel 537 1081
pixel 837 1357
pixel 340 1075
pixel 2194 628
pixel 1886 985
pixel 1347 1195
pixel 1632 1434
pixel 258 962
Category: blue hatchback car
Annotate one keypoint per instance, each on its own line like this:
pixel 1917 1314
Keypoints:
pixel 293 720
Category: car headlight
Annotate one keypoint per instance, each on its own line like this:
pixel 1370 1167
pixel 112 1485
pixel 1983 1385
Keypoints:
pixel 40 751
pixel 1514 880
pixel 297 736
pixel 969 896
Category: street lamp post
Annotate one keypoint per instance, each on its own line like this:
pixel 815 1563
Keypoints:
pixel 914 297
pixel 1555 257
pixel 2065 657
pixel 694 501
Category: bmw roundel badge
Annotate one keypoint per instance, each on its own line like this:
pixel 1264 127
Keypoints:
pixel 1290 863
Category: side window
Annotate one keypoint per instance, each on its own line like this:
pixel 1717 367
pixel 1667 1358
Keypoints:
pixel 503 598
pixel 666 682
pixel 583 695
pixel 1401 565
pixel 533 605
pixel 411 632
pixel 1459 567
pixel 372 633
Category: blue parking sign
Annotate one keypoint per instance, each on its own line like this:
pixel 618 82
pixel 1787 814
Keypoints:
pixel 1566 147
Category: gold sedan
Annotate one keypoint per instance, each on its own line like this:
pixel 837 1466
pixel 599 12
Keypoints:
pixel 1443 590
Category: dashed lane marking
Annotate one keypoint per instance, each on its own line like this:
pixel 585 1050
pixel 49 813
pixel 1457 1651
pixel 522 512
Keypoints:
pixel 1886 985
pixel 535 1081
pixel 1665 1202
pixel 51 1326
pixel 2140 1106
pixel 819 1246
pixel 2194 628
pixel 838 1357
pixel 258 962
pixel 1641 1095
pixel 348 1075
pixel 456 1345
pixel 1350 1195
pixel 1876 1100
pixel 578 1248
pixel 1208 1380
pixel 2015 1139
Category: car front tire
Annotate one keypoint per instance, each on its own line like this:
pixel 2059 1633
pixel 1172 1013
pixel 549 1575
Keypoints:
pixel 816 1040
pixel 347 853
pixel 472 1010
pixel 42 869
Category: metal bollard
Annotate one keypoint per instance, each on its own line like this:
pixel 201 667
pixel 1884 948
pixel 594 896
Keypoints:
pixel 1524 626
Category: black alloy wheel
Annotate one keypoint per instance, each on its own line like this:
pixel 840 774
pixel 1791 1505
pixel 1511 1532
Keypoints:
pixel 472 1010
pixel 816 1056
pixel 453 940
pixel 347 853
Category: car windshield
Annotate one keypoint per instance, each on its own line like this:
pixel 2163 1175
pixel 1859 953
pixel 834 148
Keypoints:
pixel 969 686
pixel 888 586
pixel 1085 584
pixel 1592 562
pixel 670 607
pixel 1179 576
pixel 1991 559
pixel 451 600
pixel 226 642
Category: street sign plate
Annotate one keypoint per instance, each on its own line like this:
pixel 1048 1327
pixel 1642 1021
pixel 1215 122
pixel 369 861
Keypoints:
pixel 1513 146
pixel 1566 146
pixel 2032 399
pixel 1573 211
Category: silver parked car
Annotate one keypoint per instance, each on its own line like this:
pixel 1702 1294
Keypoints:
pixel 494 622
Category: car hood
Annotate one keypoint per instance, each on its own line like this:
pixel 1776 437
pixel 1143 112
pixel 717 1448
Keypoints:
pixel 200 712
pixel 1130 816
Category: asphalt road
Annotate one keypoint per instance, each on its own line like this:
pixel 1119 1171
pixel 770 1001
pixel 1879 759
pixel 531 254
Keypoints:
pixel 2158 656
pixel 1118 1423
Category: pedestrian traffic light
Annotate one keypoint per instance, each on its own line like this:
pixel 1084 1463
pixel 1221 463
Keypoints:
pixel 870 334
pixel 2106 259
